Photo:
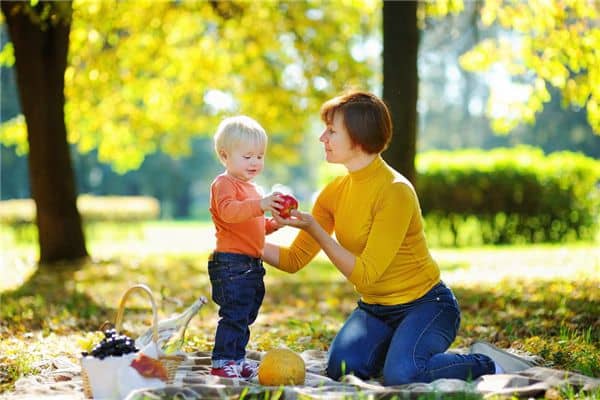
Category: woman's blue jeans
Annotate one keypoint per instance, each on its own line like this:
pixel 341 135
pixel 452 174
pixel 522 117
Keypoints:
pixel 405 343
pixel 238 288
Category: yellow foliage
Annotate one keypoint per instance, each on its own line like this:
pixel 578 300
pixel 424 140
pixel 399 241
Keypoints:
pixel 7 54
pixel 555 41
pixel 14 133
pixel 140 74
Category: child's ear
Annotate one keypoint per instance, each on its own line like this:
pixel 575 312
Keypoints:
pixel 223 155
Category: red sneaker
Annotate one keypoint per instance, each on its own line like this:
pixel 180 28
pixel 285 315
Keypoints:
pixel 248 369
pixel 229 370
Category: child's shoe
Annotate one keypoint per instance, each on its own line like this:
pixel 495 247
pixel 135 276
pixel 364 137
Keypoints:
pixel 229 370
pixel 248 369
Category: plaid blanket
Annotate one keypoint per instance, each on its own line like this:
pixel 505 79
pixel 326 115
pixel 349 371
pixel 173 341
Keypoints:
pixel 193 381
pixel 60 379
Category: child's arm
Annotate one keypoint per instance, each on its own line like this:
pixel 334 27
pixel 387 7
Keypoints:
pixel 228 208
pixel 232 210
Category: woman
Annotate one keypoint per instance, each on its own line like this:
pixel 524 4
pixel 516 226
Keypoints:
pixel 407 317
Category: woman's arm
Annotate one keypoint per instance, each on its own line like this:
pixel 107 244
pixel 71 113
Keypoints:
pixel 341 258
pixel 304 247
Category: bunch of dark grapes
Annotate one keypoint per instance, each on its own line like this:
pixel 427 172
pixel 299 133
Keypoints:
pixel 113 344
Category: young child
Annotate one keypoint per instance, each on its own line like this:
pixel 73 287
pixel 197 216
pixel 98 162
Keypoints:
pixel 235 267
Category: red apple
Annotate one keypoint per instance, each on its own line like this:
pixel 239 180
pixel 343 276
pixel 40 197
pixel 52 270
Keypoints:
pixel 288 203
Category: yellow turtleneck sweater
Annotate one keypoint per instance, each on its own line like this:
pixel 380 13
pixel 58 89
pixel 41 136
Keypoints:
pixel 375 215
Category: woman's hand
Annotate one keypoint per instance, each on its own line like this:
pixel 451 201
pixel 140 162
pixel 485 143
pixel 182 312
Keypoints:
pixel 299 219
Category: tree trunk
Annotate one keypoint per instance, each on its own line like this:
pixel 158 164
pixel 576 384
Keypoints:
pixel 401 82
pixel 40 61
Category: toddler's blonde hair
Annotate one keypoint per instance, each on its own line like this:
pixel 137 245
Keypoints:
pixel 238 131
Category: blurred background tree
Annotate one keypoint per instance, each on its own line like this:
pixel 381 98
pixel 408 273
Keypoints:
pixel 544 44
pixel 40 39
pixel 146 83
pixel 452 100
pixel 146 76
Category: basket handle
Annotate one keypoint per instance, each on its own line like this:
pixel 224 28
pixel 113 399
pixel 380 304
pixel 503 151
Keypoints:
pixel 145 289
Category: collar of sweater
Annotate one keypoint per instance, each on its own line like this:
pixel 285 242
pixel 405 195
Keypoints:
pixel 367 172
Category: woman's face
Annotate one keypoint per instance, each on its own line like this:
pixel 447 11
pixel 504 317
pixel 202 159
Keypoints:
pixel 339 148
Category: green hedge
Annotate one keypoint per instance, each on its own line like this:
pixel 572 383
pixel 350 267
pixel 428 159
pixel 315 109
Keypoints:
pixel 92 209
pixel 516 195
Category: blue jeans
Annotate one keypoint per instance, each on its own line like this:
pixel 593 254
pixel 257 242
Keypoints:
pixel 238 289
pixel 405 343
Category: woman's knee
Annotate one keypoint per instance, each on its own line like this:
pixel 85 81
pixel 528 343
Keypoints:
pixel 401 373
pixel 344 363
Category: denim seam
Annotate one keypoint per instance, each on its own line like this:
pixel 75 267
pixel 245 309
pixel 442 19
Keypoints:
pixel 420 336
pixel 448 366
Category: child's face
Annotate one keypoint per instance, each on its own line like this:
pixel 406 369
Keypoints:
pixel 244 162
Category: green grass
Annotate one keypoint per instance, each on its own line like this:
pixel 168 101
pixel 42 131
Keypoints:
pixel 541 299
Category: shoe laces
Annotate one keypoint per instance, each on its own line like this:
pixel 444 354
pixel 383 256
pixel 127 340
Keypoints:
pixel 249 368
pixel 231 368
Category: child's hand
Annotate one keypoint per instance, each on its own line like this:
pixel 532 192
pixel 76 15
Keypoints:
pixel 271 203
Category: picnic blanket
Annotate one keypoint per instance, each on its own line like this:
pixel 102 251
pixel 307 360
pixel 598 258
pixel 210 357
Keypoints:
pixel 61 379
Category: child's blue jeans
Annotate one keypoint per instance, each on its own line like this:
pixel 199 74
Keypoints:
pixel 405 343
pixel 238 289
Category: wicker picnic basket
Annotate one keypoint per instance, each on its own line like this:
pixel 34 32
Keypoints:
pixel 170 362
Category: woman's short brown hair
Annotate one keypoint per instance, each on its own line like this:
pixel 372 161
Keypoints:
pixel 366 117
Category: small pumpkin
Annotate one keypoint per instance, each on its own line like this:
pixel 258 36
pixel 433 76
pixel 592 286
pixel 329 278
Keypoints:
pixel 281 367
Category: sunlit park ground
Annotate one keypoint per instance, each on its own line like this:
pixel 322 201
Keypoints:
pixel 461 265
pixel 542 299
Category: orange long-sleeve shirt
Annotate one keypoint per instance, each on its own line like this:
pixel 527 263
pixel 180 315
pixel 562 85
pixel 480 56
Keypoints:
pixel 239 221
